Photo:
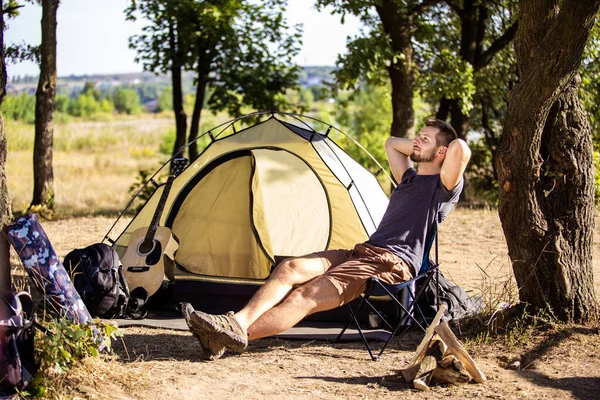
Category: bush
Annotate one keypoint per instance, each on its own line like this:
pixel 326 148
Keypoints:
pixel 19 108
pixel 64 345
pixel 126 101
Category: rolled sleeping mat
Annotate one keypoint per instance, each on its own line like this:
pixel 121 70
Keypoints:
pixel 45 269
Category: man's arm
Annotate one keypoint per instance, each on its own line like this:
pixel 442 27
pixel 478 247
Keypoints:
pixel 398 151
pixel 453 167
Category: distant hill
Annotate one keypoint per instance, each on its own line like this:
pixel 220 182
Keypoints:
pixel 308 77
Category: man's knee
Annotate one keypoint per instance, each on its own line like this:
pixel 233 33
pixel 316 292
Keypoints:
pixel 318 295
pixel 294 271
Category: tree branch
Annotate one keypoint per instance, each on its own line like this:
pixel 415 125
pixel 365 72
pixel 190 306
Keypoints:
pixel 498 45
pixel 419 8
pixel 10 10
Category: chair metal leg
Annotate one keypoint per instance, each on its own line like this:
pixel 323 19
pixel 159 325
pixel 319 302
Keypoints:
pixel 353 313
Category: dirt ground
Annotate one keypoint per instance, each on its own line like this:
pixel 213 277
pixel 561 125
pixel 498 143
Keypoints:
pixel 557 362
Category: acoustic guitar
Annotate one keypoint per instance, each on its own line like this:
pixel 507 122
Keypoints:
pixel 150 255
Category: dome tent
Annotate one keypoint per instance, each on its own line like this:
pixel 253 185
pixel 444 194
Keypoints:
pixel 255 196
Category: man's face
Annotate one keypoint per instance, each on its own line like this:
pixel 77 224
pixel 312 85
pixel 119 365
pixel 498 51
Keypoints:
pixel 424 145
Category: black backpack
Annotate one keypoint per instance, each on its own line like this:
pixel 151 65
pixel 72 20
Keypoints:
pixel 458 302
pixel 96 274
pixel 17 361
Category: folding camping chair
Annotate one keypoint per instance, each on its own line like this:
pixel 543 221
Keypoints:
pixel 408 314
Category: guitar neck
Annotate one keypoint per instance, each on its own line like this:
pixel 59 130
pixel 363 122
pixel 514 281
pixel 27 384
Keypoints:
pixel 159 209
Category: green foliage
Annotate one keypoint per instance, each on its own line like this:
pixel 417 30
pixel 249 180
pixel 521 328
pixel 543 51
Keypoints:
pixel 165 100
pixel 90 88
pixel 590 81
pixel 145 191
pixel 367 58
pixel 62 103
pixel 451 77
pixel 242 49
pixel 87 106
pixel 481 184
pixel 66 344
pixel 19 108
pixel 320 92
pixel 597 176
pixel 168 141
pixel 126 101
pixel 306 98
pixel 366 116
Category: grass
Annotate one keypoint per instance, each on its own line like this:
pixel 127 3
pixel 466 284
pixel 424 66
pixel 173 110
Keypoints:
pixel 94 163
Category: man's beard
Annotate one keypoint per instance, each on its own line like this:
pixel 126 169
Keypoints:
pixel 424 157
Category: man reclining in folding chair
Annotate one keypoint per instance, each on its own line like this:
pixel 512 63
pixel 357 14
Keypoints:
pixel 328 279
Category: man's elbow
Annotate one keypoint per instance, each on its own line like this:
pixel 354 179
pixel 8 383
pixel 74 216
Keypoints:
pixel 389 143
pixel 461 150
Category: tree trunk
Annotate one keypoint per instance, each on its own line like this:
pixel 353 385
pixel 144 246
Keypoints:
pixel 398 27
pixel 5 207
pixel 180 117
pixel 545 162
pixel 195 124
pixel 43 176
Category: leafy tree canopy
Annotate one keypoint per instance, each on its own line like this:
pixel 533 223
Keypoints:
pixel 243 49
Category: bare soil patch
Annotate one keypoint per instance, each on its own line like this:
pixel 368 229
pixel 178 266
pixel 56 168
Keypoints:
pixel 557 362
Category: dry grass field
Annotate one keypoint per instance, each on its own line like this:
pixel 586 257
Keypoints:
pixel 92 180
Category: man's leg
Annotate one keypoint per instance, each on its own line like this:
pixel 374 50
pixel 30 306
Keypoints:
pixel 291 272
pixel 317 295
pixel 218 331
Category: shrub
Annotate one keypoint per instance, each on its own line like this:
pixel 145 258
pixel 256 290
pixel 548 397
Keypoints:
pixel 19 108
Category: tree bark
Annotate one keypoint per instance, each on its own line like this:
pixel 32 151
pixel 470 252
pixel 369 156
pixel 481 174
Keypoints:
pixel 43 175
pixel 545 162
pixel 180 117
pixel 398 27
pixel 195 124
pixel 5 207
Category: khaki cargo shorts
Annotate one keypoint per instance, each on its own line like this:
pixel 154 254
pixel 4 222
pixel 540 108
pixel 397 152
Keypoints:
pixel 349 270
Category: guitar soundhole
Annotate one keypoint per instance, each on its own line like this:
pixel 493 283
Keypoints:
pixel 146 247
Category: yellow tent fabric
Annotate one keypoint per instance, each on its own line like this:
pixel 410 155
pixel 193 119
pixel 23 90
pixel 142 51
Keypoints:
pixel 215 225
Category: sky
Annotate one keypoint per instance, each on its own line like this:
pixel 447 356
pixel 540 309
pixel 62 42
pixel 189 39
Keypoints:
pixel 92 36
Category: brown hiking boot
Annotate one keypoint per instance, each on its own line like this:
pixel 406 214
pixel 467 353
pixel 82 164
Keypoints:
pixel 211 349
pixel 217 330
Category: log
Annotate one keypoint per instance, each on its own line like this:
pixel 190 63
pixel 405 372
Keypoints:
pixel 420 385
pixel 424 368
pixel 427 366
pixel 458 365
pixel 450 375
pixel 409 373
pixel 447 361
pixel 459 351
pixel 443 347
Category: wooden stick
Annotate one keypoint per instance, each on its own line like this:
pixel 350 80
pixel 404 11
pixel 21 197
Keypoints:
pixel 420 385
pixel 428 334
pixel 459 351
pixel 423 369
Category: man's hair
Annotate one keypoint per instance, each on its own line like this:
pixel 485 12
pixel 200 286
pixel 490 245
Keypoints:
pixel 446 132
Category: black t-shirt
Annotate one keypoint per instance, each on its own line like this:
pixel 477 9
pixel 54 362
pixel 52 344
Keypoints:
pixel 410 215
